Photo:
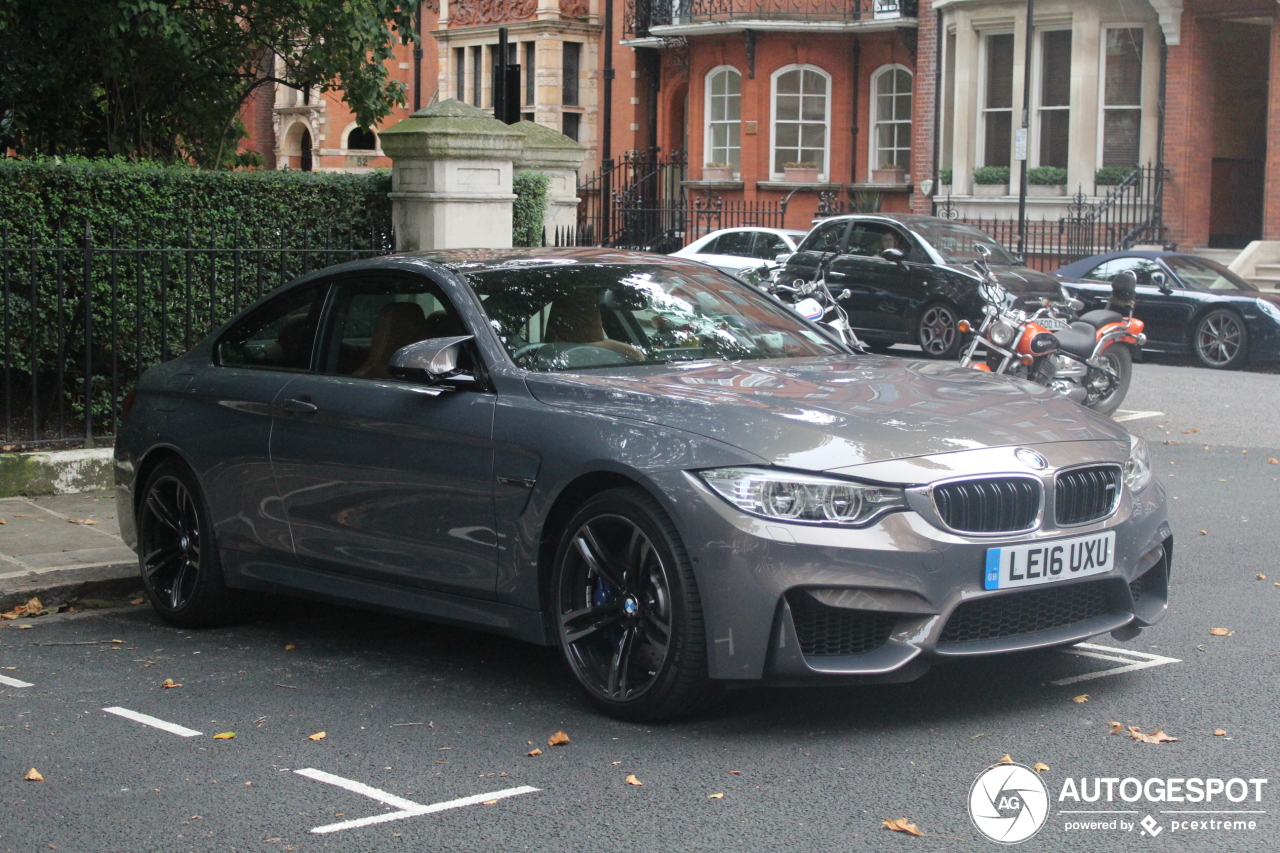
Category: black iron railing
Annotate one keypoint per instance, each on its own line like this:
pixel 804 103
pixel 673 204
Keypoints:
pixel 86 313
pixel 643 15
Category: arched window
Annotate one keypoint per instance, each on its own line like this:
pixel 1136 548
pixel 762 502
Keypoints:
pixel 801 118
pixel 362 139
pixel 891 118
pixel 724 116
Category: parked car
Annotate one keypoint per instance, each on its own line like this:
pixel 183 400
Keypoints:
pixel 1190 305
pixel 736 250
pixel 661 471
pixel 906 279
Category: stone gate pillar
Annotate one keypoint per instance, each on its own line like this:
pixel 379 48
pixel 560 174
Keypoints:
pixel 451 178
pixel 559 157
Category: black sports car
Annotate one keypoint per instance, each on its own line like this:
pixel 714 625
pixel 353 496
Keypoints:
pixel 905 278
pixel 1190 305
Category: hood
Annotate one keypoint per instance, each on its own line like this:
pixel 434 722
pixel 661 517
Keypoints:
pixel 1020 280
pixel 824 413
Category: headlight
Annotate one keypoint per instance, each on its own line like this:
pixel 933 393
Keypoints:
pixel 787 496
pixel 1001 334
pixel 1137 471
pixel 1269 309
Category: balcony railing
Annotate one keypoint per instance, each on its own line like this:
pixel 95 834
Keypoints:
pixel 643 15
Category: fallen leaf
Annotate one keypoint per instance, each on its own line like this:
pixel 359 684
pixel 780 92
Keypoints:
pixel 136 600
pixel 900 824
pixel 1006 760
pixel 1040 767
pixel 33 775
pixel 1220 632
pixel 1273 461
pixel 90 521
pixel 1081 699
pixel 224 736
pixel 489 803
pixel 534 752
pixel 1115 727
pixel 168 683
pixel 1204 533
pixel 1156 736
pixel 1219 732
pixel 117 641
pixel 18 515
pixel 290 647
pixel 317 736
pixel 632 780
pixel 557 739
pixel 270 840
pixel 715 796
pixel 20 627
pixel 735 772
pixel 2 521
pixel 1262 577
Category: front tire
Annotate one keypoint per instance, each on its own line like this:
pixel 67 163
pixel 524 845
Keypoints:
pixel 627 612
pixel 938 332
pixel 1220 340
pixel 177 555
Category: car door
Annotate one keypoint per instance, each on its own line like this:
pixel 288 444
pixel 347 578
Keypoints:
pixel 228 405
pixel 381 478
pixel 879 289
pixel 1164 315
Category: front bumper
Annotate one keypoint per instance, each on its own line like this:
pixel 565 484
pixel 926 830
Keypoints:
pixel 797 603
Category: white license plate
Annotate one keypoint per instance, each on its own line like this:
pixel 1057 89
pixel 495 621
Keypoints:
pixel 1046 562
pixel 1053 324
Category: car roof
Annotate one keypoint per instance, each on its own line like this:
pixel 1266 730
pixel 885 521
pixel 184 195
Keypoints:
pixel 907 219
pixel 1084 265
pixel 793 232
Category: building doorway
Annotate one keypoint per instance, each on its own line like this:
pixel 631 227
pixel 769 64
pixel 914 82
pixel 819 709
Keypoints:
pixel 1241 69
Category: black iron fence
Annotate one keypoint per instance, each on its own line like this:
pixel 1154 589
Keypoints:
pixel 638 202
pixel 84 315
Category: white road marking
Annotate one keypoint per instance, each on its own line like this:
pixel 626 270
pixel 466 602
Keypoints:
pixel 154 722
pixel 1144 660
pixel 405 808
pixel 12 682
pixel 1123 415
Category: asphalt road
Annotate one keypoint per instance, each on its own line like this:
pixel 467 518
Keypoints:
pixel 431 715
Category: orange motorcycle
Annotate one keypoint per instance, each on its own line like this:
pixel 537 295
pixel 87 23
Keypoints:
pixel 1088 359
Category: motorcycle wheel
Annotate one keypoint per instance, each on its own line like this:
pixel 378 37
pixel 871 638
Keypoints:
pixel 1120 359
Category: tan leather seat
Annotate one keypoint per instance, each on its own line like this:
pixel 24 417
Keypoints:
pixel 399 324
pixel 575 319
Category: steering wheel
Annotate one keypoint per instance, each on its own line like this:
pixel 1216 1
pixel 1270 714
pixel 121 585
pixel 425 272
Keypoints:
pixel 526 350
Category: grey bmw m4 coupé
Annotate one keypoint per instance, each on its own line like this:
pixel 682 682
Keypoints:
pixel 674 479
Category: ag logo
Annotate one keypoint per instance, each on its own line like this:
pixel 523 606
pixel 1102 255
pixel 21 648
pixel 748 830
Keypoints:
pixel 1008 803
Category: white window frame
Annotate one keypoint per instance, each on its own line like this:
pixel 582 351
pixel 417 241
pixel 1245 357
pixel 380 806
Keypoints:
pixel 825 174
pixel 707 122
pixel 1037 87
pixel 1102 87
pixel 980 148
pixel 873 151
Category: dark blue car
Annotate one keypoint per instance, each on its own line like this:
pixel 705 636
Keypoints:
pixel 1190 305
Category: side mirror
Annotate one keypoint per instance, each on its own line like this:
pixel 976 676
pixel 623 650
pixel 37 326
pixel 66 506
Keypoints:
pixel 431 361
pixel 895 255
pixel 1161 282
pixel 982 249
pixel 782 258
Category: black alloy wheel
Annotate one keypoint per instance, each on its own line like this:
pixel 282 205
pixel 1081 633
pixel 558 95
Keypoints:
pixel 938 332
pixel 627 612
pixel 180 568
pixel 1220 339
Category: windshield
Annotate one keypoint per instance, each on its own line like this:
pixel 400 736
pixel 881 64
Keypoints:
pixel 1201 274
pixel 582 316
pixel 955 242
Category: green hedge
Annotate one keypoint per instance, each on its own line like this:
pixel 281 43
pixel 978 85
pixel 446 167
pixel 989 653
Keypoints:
pixel 1046 176
pixel 991 175
pixel 529 210
pixel 944 176
pixel 1112 175
pixel 245 228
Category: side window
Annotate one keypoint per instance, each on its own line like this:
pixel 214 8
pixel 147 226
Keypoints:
pixel 278 335
pixel 869 239
pixel 824 238
pixel 710 248
pixel 737 243
pixel 769 246
pixel 372 317
pixel 1142 268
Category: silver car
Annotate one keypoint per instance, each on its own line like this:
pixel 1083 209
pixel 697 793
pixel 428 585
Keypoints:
pixel 675 480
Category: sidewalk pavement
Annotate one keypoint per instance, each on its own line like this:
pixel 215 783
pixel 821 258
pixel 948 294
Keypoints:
pixel 63 546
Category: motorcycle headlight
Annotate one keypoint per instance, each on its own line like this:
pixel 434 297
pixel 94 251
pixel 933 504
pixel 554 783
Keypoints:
pixel 804 498
pixel 1001 334
pixel 1137 471
pixel 1269 309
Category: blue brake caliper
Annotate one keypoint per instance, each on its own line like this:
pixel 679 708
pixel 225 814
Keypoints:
pixel 603 593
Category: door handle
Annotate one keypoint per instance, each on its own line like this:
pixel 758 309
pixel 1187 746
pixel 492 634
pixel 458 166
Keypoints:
pixel 300 407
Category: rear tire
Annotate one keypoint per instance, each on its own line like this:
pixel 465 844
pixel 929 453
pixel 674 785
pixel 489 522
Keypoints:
pixel 1121 362
pixel 178 557
pixel 627 613
pixel 938 332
